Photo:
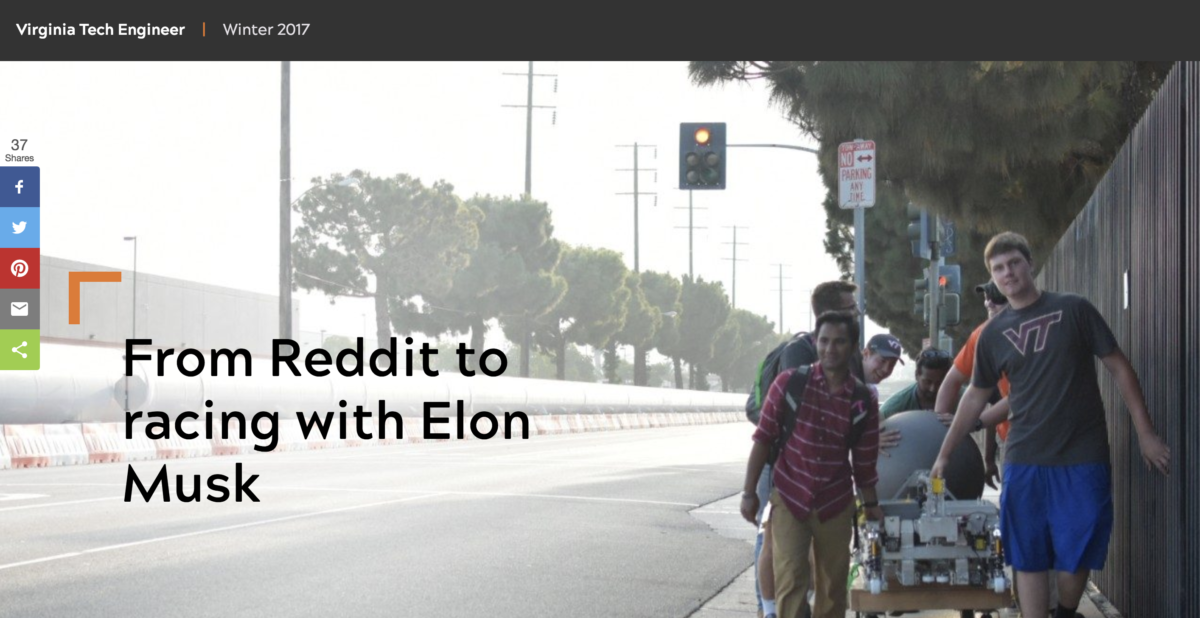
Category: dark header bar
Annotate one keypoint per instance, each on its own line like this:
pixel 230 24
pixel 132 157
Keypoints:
pixel 568 31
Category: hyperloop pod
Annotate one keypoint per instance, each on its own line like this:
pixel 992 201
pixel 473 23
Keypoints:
pixel 921 435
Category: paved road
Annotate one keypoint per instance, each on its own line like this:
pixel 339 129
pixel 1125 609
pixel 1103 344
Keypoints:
pixel 580 525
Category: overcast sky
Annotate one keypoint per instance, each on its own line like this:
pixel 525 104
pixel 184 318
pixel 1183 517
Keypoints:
pixel 186 157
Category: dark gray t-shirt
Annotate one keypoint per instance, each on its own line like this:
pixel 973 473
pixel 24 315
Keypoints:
pixel 1046 350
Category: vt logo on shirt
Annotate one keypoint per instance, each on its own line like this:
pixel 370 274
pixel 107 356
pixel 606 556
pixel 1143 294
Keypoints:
pixel 1037 327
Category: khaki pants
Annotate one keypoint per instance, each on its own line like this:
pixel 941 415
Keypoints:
pixel 830 543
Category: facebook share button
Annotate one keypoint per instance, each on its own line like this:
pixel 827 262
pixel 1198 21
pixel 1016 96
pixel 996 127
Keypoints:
pixel 20 186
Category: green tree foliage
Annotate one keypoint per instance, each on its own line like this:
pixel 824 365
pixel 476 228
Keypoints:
pixel 662 292
pixel 990 145
pixel 337 343
pixel 411 238
pixel 705 310
pixel 642 321
pixel 511 273
pixel 740 345
pixel 577 368
pixel 592 310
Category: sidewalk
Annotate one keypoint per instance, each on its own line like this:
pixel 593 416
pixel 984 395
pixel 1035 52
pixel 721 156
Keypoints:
pixel 738 599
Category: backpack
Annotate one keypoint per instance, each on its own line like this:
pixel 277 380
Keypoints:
pixel 859 403
pixel 771 366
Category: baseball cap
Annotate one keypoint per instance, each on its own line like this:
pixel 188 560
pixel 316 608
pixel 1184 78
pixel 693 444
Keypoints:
pixel 885 345
pixel 991 292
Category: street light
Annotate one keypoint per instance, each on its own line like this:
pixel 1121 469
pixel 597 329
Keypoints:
pixel 285 254
pixel 134 312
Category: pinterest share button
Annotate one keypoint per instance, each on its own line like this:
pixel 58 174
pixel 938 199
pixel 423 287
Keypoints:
pixel 20 269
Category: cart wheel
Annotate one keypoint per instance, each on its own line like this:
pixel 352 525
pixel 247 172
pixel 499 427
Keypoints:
pixel 967 613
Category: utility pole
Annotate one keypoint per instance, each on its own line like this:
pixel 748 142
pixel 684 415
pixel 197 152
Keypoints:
pixel 690 227
pixel 636 192
pixel 529 106
pixel 735 260
pixel 781 291
pixel 285 202
pixel 639 355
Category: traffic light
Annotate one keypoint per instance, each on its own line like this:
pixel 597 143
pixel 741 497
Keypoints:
pixel 950 278
pixel 921 297
pixel 918 231
pixel 949 315
pixel 701 155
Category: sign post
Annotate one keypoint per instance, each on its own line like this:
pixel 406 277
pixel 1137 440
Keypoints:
pixel 856 189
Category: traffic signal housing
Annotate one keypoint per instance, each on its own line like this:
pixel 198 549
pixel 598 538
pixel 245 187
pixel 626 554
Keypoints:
pixel 950 278
pixel 949 315
pixel 921 297
pixel 701 155
pixel 919 230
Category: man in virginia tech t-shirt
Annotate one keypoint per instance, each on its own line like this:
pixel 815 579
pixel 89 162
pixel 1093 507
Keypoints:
pixel 1056 508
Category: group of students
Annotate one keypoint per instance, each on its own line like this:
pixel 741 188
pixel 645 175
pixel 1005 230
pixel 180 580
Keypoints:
pixel 817 441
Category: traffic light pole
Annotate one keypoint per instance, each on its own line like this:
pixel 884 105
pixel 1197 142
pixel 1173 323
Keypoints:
pixel 788 146
pixel 860 259
pixel 935 292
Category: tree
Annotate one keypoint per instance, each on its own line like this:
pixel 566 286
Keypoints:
pixel 411 238
pixel 642 321
pixel 511 273
pixel 337 343
pixel 577 368
pixel 662 292
pixel 705 309
pixel 742 343
pixel 592 310
pixel 990 145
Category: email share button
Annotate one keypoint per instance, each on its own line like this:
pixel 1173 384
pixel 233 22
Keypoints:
pixel 21 309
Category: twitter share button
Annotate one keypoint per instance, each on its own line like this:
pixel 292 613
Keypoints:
pixel 20 228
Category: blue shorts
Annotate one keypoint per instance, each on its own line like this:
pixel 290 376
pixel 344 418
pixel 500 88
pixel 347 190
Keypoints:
pixel 1056 517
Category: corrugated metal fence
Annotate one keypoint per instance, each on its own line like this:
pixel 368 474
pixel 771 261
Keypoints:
pixel 1133 252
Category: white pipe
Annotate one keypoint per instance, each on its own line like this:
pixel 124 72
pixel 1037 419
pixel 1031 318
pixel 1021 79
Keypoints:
pixel 83 383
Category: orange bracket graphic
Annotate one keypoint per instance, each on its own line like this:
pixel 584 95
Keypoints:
pixel 74 278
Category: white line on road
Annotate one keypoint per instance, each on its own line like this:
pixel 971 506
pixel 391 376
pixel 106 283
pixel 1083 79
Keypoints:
pixel 441 461
pixel 11 497
pixel 486 493
pixel 60 485
pixel 210 531
pixel 47 504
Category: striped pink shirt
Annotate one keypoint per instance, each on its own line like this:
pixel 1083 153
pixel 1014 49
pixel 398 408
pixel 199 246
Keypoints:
pixel 814 472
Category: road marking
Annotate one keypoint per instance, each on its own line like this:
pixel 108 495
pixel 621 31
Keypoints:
pixel 49 504
pixel 486 493
pixel 185 535
pixel 61 485
pixel 417 459
pixel 8 497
